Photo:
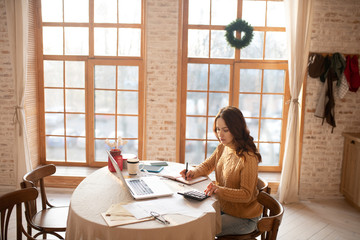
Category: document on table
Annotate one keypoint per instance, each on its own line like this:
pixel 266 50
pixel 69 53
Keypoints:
pixel 175 204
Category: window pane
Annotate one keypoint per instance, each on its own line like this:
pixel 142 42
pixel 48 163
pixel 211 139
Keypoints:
pixel 254 12
pixel 219 77
pixel 211 146
pixel 75 124
pixel 210 132
pixel 127 103
pixel 199 12
pixel 105 77
pixel 270 130
pixel 255 49
pixel 76 11
pixel 196 127
pixel 105 41
pixel 272 106
pixel 274 81
pixel 276 14
pixel 129 11
pixel 250 80
pixel 219 46
pixel 275 47
pixel 53 40
pixel 196 103
pixel 75 100
pixel 55 148
pixel 74 153
pixel 131 147
pixel 217 101
pixel 75 74
pixel 127 127
pixel 253 126
pixel 104 126
pixel 197 75
pixel 51 10
pixel 54 100
pixel 194 152
pixel 104 101
pixel 128 77
pixel 76 41
pixel 198 43
pixel 53 73
pixel 100 154
pixel 54 121
pixel 105 11
pixel 223 12
pixel 270 153
pixel 249 105
pixel 129 42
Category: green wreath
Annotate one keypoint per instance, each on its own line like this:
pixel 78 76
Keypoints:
pixel 241 26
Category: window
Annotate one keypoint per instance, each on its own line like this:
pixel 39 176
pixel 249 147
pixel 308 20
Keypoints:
pixel 92 78
pixel 253 78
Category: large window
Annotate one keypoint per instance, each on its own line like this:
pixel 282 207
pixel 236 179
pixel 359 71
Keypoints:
pixel 253 78
pixel 92 78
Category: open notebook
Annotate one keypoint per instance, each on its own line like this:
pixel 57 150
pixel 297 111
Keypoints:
pixel 175 175
pixel 142 187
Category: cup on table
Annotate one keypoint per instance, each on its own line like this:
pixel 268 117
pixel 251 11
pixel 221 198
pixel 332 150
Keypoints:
pixel 133 166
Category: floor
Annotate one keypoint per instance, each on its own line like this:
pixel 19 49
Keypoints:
pixel 312 219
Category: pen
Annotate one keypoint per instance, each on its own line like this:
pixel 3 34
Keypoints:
pixel 186 170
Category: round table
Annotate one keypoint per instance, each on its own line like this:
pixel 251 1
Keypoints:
pixel 96 193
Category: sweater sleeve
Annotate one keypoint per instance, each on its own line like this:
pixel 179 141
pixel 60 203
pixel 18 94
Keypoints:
pixel 206 167
pixel 248 182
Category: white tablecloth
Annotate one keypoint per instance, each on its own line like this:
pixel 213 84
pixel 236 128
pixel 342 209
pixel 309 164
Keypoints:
pixel 102 188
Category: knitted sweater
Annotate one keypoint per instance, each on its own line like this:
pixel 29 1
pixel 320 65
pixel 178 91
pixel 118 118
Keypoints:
pixel 237 181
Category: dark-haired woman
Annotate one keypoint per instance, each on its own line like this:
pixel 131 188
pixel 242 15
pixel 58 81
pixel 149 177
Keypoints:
pixel 235 162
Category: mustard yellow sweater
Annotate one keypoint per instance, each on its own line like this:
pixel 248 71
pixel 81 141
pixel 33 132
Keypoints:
pixel 237 181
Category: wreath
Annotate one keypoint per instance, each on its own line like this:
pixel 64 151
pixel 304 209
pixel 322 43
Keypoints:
pixel 241 26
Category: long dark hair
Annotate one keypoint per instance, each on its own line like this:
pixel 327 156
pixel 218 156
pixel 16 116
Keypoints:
pixel 236 124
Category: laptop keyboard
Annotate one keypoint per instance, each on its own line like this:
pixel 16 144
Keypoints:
pixel 140 187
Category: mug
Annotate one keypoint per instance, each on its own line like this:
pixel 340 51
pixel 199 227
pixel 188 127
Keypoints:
pixel 133 166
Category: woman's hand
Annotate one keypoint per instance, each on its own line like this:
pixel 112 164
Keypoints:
pixel 211 188
pixel 189 175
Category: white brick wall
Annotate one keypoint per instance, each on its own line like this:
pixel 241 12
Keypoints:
pixel 336 28
pixel 7 104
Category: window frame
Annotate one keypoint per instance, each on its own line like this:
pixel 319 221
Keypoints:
pixel 235 64
pixel 90 60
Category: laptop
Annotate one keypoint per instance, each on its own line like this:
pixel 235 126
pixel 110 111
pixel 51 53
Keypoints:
pixel 142 187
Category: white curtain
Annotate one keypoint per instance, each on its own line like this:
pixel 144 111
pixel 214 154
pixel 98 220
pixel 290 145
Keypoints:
pixel 17 19
pixel 298 29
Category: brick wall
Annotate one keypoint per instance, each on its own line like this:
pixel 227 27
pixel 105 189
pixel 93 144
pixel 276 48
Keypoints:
pixel 161 59
pixel 7 103
pixel 336 28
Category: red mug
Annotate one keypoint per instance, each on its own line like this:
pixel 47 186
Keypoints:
pixel 116 153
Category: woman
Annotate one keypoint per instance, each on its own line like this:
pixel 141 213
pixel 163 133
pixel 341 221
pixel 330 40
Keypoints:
pixel 235 162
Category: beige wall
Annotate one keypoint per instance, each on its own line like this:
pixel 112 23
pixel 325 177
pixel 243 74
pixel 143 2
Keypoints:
pixel 335 29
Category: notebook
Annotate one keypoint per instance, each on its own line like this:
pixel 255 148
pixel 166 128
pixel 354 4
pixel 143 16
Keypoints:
pixel 175 175
pixel 142 187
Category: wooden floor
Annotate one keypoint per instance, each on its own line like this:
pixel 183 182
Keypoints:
pixel 313 220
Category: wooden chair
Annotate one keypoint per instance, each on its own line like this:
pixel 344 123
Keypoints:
pixel 50 219
pixel 267 224
pixel 7 203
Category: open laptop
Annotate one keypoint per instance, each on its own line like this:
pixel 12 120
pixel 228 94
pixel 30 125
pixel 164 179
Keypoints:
pixel 142 187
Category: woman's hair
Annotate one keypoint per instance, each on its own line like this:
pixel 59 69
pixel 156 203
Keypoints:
pixel 236 124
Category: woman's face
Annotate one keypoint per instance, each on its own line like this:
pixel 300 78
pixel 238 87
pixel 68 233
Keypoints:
pixel 223 132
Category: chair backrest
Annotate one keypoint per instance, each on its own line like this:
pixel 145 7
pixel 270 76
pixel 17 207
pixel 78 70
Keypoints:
pixel 7 203
pixel 35 178
pixel 270 224
pixel 263 185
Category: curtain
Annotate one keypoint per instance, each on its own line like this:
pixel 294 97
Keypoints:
pixel 298 29
pixel 17 18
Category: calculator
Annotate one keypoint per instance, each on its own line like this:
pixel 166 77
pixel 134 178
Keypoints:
pixel 194 194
